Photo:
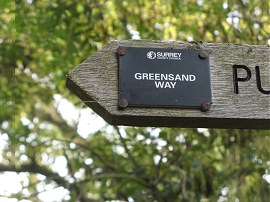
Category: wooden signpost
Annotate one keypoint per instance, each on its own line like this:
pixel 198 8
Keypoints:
pixel 177 84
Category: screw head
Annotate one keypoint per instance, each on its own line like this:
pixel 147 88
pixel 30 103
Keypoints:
pixel 203 54
pixel 121 51
pixel 123 103
pixel 205 106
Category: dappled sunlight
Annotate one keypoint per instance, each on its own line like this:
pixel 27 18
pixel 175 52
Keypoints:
pixel 54 148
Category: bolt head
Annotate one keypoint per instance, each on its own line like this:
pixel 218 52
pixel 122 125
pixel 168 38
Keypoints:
pixel 123 103
pixel 205 106
pixel 121 51
pixel 203 54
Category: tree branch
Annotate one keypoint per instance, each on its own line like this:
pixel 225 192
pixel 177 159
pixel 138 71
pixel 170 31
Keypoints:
pixel 80 192
pixel 121 176
pixel 50 114
pixel 32 167
pixel 123 141
pixel 183 174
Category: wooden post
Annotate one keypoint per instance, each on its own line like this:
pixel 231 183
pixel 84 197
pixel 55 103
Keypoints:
pixel 240 82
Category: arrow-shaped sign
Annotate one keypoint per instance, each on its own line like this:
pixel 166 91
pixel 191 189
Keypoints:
pixel 177 84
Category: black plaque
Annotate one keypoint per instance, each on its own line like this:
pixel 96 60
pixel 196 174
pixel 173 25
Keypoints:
pixel 158 77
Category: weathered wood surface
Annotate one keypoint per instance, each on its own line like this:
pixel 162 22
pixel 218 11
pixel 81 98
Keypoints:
pixel 95 82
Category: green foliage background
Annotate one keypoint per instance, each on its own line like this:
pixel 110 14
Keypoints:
pixel 41 40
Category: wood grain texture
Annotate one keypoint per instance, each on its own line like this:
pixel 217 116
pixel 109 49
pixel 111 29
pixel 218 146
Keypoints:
pixel 95 82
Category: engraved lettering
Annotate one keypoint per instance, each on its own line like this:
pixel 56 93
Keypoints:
pixel 259 83
pixel 236 79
